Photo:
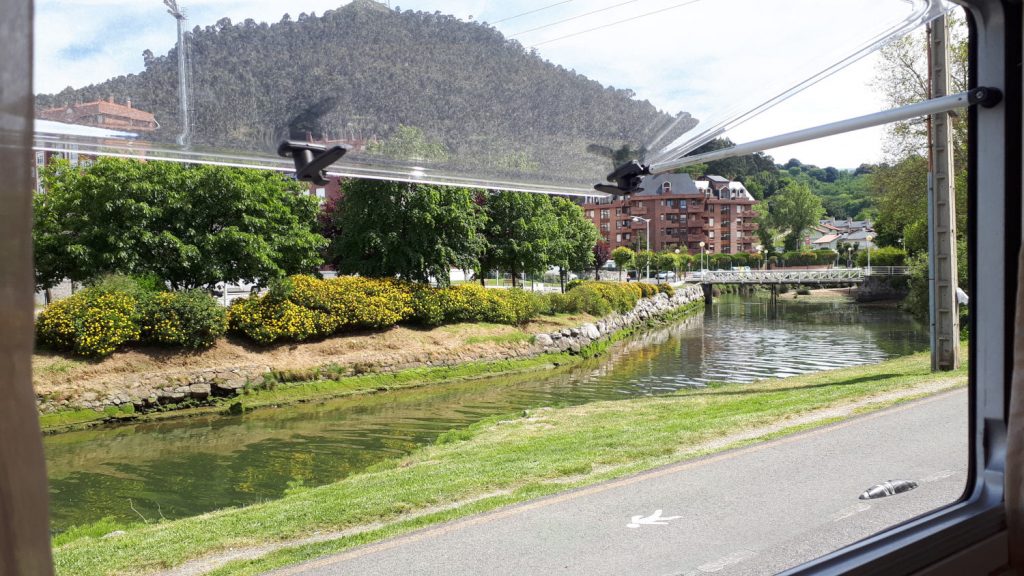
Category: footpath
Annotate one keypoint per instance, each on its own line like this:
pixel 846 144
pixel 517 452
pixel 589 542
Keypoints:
pixel 752 510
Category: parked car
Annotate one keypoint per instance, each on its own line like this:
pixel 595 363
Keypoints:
pixel 667 275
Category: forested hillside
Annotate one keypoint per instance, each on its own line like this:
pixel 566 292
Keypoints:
pixel 365 72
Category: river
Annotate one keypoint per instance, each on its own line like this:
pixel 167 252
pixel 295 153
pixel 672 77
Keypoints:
pixel 185 467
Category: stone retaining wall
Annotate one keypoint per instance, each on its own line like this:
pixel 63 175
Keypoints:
pixel 151 391
pixel 572 340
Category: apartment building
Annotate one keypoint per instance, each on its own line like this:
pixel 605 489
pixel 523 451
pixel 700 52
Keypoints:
pixel 682 212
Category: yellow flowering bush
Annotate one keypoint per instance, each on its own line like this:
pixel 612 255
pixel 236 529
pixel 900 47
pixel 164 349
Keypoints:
pixel 268 319
pixel 600 298
pixel 90 323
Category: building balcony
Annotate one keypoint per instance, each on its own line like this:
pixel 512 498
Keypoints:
pixel 638 211
pixel 695 208
pixel 694 237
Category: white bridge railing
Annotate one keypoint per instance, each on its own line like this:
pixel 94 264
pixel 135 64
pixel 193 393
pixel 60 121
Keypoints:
pixel 827 276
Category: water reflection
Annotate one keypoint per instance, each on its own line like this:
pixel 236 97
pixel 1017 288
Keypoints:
pixel 187 467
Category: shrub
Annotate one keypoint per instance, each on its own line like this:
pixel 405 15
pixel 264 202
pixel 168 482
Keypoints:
pixel 93 322
pixel 601 298
pixel 190 319
pixel 573 283
pixel 887 256
pixel 270 319
pixel 667 289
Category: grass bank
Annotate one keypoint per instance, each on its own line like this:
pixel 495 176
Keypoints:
pixel 497 462
pixel 327 382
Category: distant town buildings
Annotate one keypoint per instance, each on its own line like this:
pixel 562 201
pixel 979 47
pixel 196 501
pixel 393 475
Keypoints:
pixel 103 114
pixel 683 213
pixel 829 233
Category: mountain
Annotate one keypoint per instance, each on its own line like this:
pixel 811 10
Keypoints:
pixel 365 73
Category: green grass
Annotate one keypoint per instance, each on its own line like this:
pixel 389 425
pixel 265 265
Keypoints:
pixel 490 464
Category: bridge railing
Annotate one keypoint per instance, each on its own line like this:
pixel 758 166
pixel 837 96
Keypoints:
pixel 887 271
pixel 824 276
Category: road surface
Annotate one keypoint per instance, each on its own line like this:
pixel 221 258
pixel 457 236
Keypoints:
pixel 756 510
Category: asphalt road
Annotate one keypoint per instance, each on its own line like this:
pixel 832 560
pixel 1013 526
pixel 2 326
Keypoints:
pixel 756 510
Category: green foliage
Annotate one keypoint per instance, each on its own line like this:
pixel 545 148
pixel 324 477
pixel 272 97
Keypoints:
pixel 409 143
pixel 190 226
pixel 623 258
pixel 519 233
pixel 601 298
pixel 822 257
pixel 792 210
pixel 92 322
pixel 98 320
pixel 885 256
pixel 571 246
pixel 190 319
pixel 643 259
pixel 667 288
pixel 416 232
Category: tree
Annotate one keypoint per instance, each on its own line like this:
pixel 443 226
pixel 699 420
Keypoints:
pixel 191 226
pixel 571 241
pixel 793 210
pixel 601 256
pixel 518 233
pixel 416 232
pixel 665 261
pixel 643 260
pixel 409 143
pixel 623 257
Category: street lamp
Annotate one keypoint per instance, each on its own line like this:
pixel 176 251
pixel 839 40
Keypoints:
pixel 677 264
pixel 647 235
pixel 760 255
pixel 702 257
pixel 868 238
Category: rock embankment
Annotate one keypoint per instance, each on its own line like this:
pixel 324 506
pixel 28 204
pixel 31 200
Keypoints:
pixel 161 390
pixel 573 340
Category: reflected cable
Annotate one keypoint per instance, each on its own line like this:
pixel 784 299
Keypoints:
pixel 577 17
pixel 531 11
pixel 617 22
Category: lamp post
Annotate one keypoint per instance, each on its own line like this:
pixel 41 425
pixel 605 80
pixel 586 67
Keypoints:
pixel 647 238
pixel 702 257
pixel 677 264
pixel 760 256
pixel 868 238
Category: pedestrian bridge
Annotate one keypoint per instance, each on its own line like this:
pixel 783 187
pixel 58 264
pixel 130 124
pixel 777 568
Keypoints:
pixel 823 277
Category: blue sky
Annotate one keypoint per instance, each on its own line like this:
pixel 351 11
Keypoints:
pixel 703 56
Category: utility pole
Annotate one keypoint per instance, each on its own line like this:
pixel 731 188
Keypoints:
pixel 942 266
pixel 183 111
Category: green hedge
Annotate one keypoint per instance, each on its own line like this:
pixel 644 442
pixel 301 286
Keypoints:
pixel 887 256
pixel 98 320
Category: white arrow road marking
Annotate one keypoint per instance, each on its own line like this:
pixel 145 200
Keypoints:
pixel 655 519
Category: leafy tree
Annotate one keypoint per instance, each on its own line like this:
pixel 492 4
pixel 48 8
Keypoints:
pixel 601 256
pixel 191 226
pixel 793 210
pixel 571 241
pixel 409 143
pixel 623 257
pixel 665 261
pixel 643 260
pixel 415 232
pixel 518 233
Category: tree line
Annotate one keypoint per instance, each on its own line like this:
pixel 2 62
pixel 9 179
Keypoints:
pixel 194 226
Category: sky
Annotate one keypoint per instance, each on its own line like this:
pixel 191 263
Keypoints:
pixel 711 58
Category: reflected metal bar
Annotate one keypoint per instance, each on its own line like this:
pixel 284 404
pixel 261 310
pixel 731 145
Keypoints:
pixel 928 107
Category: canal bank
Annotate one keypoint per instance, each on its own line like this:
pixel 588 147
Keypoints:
pixel 144 385
pixel 495 462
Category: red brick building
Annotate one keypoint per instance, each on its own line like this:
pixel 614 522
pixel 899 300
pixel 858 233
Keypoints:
pixel 103 114
pixel 682 213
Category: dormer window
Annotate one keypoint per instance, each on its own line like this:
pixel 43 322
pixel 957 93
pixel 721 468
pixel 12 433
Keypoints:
pixel 666 188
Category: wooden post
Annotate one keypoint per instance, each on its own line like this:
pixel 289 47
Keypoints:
pixel 945 316
pixel 24 519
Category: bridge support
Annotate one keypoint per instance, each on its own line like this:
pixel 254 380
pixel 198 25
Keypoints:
pixel 708 294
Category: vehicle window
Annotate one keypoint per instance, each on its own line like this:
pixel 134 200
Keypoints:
pixel 725 366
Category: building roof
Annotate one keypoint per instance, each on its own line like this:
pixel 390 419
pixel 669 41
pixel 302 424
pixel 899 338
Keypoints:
pixel 716 179
pixel 122 114
pixel 828 239
pixel 680 183
pixel 858 235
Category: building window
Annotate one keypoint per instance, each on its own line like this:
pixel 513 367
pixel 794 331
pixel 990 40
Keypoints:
pixel 618 237
pixel 711 234
pixel 604 228
pixel 605 213
pixel 628 237
pixel 666 188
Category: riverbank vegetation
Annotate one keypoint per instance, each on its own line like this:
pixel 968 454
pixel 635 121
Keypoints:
pixel 497 462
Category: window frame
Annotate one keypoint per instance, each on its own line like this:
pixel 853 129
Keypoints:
pixel 994 185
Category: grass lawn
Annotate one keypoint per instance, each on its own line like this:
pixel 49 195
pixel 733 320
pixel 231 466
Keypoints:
pixel 493 463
